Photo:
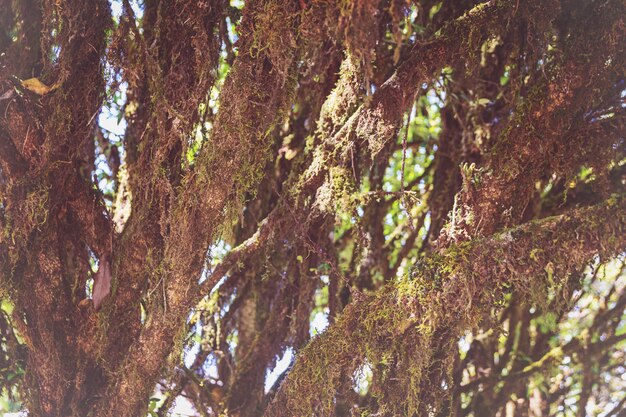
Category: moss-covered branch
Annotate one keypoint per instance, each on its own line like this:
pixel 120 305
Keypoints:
pixel 442 297
pixel 542 133
pixel 229 165
pixel 177 56
pixel 344 128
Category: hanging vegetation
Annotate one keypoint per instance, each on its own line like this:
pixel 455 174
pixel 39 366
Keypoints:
pixel 312 208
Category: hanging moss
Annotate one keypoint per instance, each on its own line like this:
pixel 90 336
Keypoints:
pixel 391 169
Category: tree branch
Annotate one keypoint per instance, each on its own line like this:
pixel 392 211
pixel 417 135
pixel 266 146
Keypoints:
pixel 447 292
pixel 228 166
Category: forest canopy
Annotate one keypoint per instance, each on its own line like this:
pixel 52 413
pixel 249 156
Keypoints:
pixel 313 208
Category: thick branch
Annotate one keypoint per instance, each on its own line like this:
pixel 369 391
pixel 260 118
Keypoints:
pixel 375 123
pixel 448 292
pixel 537 139
pixel 177 56
pixel 229 165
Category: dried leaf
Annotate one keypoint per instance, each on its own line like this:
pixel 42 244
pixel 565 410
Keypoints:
pixel 7 95
pixel 36 86
pixel 102 282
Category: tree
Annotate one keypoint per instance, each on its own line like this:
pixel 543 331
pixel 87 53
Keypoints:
pixel 190 191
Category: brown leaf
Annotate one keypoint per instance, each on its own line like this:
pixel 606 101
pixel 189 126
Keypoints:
pixel 102 282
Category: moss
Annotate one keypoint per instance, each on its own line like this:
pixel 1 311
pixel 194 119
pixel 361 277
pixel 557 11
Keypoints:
pixel 176 356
